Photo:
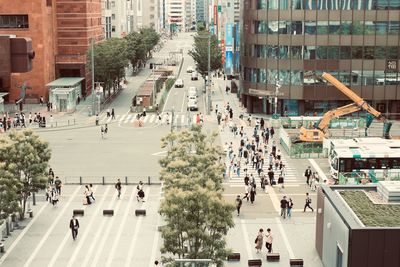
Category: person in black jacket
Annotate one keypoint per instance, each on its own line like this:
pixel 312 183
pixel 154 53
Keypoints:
pixel 307 174
pixel 74 226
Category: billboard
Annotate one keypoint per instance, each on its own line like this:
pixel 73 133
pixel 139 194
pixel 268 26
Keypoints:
pixel 229 34
pixel 228 62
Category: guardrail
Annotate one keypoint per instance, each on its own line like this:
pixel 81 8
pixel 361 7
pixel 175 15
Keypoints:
pixel 367 177
pixel 107 180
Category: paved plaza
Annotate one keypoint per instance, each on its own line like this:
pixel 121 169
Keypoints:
pixel 131 154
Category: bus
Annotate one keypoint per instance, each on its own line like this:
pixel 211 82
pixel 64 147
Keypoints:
pixel 372 158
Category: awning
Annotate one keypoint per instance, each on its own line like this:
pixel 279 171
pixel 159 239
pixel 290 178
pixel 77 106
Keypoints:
pixel 65 82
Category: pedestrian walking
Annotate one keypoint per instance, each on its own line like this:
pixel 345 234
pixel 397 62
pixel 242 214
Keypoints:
pixel 167 118
pixel 272 132
pixel 269 241
pixel 51 120
pixel 118 186
pixel 239 203
pixel 140 192
pixel 271 176
pixel 307 174
pixel 58 185
pixel 313 183
pixel 252 193
pixel 108 113
pixel 105 128
pixel 74 226
pixel 308 203
pixel 54 197
pixel 91 192
pixel 156 263
pixel 49 189
pixel 259 240
pixel 246 192
pixel 159 121
pixel 281 181
pixel 51 176
pixel 102 131
pixel 112 114
pixel 86 194
pixel 284 206
pixel 97 119
pixel 289 208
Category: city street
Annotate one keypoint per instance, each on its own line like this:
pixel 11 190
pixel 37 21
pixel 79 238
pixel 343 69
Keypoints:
pixel 131 154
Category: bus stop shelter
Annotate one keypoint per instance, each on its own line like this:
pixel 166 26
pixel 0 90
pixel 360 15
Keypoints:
pixel 64 92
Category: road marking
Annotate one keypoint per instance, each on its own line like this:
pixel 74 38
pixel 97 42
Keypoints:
pixel 106 234
pixel 49 230
pixel 99 228
pixel 194 119
pixel 122 118
pixel 274 199
pixel 81 241
pixel 136 233
pixel 127 118
pixel 183 101
pixel 183 120
pixel 246 239
pixel 176 119
pixel 318 169
pixel 152 118
pixel 108 119
pixel 111 254
pixel 156 236
pixel 284 237
pixel 22 234
pixel 164 118
pixel 159 153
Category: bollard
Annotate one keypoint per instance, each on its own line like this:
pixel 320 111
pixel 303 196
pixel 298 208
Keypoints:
pixel 148 180
pixel 30 212
pixel 74 121
pixel 68 122
pixel 80 180
pixel 126 180
pixel 1 247
pixel 103 180
pixel 56 124
pixel 34 199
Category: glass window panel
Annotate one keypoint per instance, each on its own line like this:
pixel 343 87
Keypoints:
pixel 380 4
pixel 345 77
pixel 283 4
pixel 369 28
pixel 296 52
pixel 254 75
pixel 296 27
pixel 263 76
pixel 273 4
pixel 272 51
pixel 380 52
pixel 271 75
pixel 283 52
pixel 334 27
pixel 323 4
pixel 356 52
pixel 322 27
pixel 262 4
pixel 392 52
pixel 358 28
pixel 393 27
pixel 356 78
pixel 273 26
pixel 333 52
pixel 263 51
pixel 381 27
pixel 310 4
pixel 379 77
pixel 284 77
pixel 284 27
pixel 346 27
pixel 359 4
pixel 309 52
pixel 322 52
pixel 297 4
pixel 369 52
pixel 345 52
pixel 296 77
pixel 394 4
pixel 310 27
pixel 346 4
pixel 368 77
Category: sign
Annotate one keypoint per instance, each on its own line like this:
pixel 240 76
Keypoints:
pixel 256 92
pixel 391 65
pixel 229 34
pixel 228 62
pixel 219 8
pixel 215 15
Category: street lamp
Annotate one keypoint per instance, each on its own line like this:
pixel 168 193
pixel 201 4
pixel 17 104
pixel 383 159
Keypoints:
pixel 92 57
pixel 208 78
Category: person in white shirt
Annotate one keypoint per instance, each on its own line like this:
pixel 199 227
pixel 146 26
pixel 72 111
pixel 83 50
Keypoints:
pixel 269 240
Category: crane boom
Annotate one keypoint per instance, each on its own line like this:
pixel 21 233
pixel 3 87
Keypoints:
pixel 353 96
pixel 335 113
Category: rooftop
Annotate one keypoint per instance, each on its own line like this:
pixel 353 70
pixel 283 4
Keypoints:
pixel 65 82
pixel 370 214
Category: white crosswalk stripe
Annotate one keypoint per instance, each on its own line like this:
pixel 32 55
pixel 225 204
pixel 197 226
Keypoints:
pixel 183 119
pixel 121 118
pixel 144 119
pixel 150 119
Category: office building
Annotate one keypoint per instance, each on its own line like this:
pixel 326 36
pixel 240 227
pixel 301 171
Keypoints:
pixel 176 14
pixel 147 14
pixel 122 17
pixel 292 42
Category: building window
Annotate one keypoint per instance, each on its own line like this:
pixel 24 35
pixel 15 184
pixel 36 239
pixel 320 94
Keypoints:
pixel 49 2
pixel 112 3
pixel 14 21
pixel 113 29
pixel 113 16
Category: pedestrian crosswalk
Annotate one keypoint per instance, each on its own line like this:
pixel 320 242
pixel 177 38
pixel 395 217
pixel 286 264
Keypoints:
pixel 151 119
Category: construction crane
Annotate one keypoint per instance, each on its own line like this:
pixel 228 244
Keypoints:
pixel 320 131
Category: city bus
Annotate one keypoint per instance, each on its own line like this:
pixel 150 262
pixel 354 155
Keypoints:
pixel 365 157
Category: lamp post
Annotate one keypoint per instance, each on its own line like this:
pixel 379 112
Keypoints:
pixel 92 59
pixel 277 87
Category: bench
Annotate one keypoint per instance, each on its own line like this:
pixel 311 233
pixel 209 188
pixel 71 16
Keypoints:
pixel 234 257
pixel 296 262
pixel 78 212
pixel 273 256
pixel 140 212
pixel 108 212
pixel 256 262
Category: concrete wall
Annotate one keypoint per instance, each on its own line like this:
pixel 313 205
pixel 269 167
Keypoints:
pixel 338 234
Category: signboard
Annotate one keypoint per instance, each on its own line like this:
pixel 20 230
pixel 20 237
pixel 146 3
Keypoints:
pixel 219 8
pixel 256 92
pixel 215 15
pixel 228 62
pixel 229 34
pixel 391 65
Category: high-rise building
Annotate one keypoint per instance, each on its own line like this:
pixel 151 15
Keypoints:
pixel 201 6
pixel 61 31
pixel 106 18
pixel 176 14
pixel 292 42
pixel 122 17
pixel 147 14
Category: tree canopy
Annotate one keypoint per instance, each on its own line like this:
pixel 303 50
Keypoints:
pixel 197 217
pixel 24 158
pixel 199 53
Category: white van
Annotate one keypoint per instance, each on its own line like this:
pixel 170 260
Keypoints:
pixel 192 91
pixel 192 98
pixel 192 106
pixel 195 76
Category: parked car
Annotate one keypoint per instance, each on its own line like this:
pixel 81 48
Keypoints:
pixel 195 76
pixel 179 83
pixel 190 69
pixel 192 98
pixel 192 106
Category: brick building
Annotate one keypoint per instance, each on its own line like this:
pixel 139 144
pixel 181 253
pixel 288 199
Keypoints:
pixel 61 31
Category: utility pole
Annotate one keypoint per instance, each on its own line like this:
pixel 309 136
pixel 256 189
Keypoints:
pixel 208 75
pixel 277 87
pixel 92 57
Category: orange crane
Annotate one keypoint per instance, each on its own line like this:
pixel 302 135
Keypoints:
pixel 320 131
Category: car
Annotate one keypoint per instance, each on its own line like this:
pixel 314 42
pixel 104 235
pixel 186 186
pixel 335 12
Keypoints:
pixel 179 83
pixel 192 91
pixel 189 69
pixel 192 106
pixel 192 98
pixel 195 76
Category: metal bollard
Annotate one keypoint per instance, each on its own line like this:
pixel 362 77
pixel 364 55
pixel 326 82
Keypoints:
pixel 126 180
pixel 148 180
pixel 1 247
pixel 103 180
pixel 80 180
pixel 74 121
pixel 68 122
pixel 34 199
pixel 30 212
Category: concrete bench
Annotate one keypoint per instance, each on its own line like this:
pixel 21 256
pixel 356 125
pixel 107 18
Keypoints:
pixel 273 257
pixel 108 212
pixel 140 212
pixel 78 212
pixel 234 257
pixel 256 262
pixel 296 262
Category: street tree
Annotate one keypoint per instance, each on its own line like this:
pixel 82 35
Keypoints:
pixel 149 38
pixel 196 214
pixel 199 53
pixel 25 157
pixel 9 197
pixel 136 51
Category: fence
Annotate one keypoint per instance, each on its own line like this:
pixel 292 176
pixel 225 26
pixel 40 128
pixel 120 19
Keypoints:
pixel 107 180
pixel 300 150
pixel 297 122
pixel 364 177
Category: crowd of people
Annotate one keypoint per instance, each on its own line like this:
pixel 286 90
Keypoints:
pixel 22 120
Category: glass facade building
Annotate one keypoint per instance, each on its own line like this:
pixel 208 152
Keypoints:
pixel 293 42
